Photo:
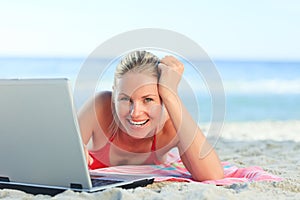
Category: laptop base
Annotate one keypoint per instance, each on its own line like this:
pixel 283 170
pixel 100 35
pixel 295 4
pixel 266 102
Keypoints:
pixel 32 189
pixel 35 190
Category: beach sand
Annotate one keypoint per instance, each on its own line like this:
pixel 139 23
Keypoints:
pixel 275 146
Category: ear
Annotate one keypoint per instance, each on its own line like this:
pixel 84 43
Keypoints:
pixel 112 93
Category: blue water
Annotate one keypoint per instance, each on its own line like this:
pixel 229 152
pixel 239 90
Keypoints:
pixel 254 90
pixel 261 90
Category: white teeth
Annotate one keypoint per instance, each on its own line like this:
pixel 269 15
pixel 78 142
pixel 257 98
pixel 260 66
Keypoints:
pixel 140 123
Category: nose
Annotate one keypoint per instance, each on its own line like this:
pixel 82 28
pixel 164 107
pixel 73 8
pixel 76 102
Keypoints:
pixel 136 109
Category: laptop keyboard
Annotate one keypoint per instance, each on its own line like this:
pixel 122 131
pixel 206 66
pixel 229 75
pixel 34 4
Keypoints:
pixel 103 182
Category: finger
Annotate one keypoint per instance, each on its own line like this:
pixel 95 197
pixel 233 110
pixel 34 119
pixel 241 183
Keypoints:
pixel 162 66
pixel 167 70
pixel 168 60
pixel 172 61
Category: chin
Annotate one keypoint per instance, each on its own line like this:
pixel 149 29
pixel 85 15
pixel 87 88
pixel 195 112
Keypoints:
pixel 138 131
pixel 139 134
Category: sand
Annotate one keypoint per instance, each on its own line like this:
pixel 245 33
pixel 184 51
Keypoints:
pixel 275 146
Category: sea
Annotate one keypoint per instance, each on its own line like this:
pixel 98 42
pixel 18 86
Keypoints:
pixel 244 90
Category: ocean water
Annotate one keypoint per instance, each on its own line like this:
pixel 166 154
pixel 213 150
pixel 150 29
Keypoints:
pixel 254 90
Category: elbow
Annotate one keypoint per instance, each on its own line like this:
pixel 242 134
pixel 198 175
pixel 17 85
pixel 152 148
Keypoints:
pixel 210 175
pixel 219 174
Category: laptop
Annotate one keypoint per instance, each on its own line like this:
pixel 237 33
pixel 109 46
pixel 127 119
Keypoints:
pixel 41 150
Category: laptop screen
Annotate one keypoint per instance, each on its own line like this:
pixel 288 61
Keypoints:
pixel 40 141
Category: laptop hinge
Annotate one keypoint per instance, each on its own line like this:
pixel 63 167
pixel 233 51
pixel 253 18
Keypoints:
pixel 75 186
pixel 4 179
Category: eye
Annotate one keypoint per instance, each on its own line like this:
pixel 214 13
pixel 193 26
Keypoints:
pixel 124 99
pixel 147 100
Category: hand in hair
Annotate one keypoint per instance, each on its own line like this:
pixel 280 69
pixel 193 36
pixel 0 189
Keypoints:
pixel 171 71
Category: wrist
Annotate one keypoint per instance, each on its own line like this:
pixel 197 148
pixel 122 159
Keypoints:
pixel 171 100
pixel 167 93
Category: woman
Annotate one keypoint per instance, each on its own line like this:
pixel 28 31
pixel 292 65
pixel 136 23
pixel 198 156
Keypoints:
pixel 143 118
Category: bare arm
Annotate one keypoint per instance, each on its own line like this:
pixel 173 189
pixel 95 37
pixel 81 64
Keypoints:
pixel 93 119
pixel 197 155
pixel 87 120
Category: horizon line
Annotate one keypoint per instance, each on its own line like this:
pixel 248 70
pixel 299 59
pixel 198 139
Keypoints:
pixel 213 58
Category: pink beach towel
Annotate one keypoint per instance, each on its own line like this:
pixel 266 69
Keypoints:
pixel 175 171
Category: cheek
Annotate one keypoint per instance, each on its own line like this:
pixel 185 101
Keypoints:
pixel 155 111
pixel 122 109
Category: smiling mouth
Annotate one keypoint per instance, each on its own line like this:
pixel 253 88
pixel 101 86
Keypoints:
pixel 139 123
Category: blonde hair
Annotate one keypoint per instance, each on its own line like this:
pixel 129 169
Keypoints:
pixel 138 62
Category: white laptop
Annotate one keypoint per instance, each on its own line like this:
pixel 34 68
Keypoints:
pixel 41 151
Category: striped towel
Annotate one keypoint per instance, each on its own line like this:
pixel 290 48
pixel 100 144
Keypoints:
pixel 174 170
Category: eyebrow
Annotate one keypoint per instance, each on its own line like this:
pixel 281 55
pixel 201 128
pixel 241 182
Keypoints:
pixel 145 96
pixel 123 94
pixel 149 95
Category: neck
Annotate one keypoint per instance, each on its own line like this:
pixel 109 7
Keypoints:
pixel 133 140
pixel 132 144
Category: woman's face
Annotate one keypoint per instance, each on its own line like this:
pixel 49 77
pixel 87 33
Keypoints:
pixel 138 105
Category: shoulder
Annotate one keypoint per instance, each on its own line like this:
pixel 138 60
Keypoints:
pixel 103 104
pixel 169 129
pixel 103 109
pixel 167 138
pixel 96 107
pixel 96 102
pixel 103 97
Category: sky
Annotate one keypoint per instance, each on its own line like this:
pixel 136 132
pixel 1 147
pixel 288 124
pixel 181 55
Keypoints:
pixel 233 29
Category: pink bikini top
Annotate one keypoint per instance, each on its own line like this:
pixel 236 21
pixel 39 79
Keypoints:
pixel 101 156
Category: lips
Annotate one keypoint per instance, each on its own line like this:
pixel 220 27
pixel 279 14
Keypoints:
pixel 138 123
